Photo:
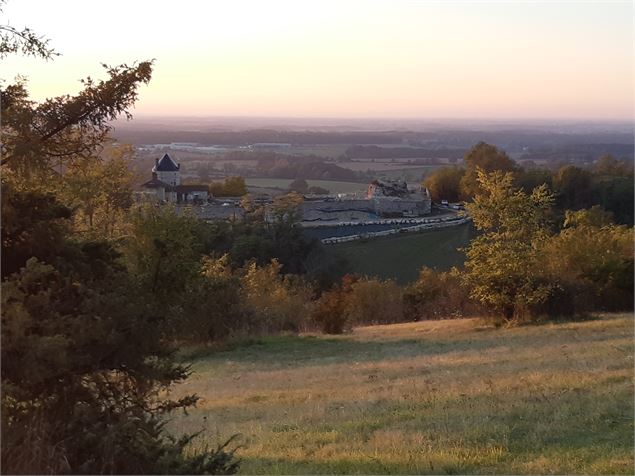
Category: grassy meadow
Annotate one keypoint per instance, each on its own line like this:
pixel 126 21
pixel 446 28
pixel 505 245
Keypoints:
pixel 441 397
pixel 400 257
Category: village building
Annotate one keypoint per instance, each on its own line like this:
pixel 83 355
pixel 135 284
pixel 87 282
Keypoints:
pixel 165 185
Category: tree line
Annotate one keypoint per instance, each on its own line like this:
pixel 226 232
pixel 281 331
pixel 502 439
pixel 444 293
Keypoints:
pixel 608 184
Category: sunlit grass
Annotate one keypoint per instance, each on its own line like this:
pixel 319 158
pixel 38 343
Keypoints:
pixel 430 397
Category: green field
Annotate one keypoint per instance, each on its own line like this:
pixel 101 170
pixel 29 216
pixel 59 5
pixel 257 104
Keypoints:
pixel 401 256
pixel 438 397
pixel 333 186
pixel 413 174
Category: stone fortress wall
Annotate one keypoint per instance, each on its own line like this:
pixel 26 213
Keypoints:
pixel 383 199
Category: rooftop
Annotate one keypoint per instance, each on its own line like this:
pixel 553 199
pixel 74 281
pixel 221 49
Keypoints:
pixel 166 164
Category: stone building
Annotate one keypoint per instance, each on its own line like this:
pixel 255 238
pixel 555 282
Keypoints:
pixel 165 185
pixel 384 199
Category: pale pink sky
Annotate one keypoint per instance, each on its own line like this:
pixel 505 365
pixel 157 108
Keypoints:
pixel 549 60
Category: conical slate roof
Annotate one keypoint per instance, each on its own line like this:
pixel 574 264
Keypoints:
pixel 166 164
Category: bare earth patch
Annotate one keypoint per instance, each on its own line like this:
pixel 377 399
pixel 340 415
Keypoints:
pixel 431 397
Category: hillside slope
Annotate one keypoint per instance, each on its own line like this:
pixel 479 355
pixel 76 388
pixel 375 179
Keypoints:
pixel 430 397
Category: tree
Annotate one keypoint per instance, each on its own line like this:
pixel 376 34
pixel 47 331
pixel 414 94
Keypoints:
pixel 25 41
pixel 34 224
pixel 85 355
pixel 164 251
pixel 445 184
pixel 230 187
pixel 279 302
pixel 100 191
pixel 502 269
pixel 40 139
pixel 286 209
pixel 299 186
pixel 373 301
pixel 609 165
pixel 615 194
pixel 86 363
pixel 487 158
pixel 528 179
pixel 594 257
pixel 235 187
pixel 573 187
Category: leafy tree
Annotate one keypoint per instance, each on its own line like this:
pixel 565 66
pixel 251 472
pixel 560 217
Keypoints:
pixel 502 269
pixel 609 165
pixel 445 184
pixel 438 295
pixel 235 186
pixel 616 194
pixel 373 301
pixel 528 179
pixel 230 187
pixel 487 158
pixel 164 250
pixel 213 306
pixel 573 187
pixel 285 209
pixel 100 191
pixel 594 257
pixel 299 186
pixel 279 302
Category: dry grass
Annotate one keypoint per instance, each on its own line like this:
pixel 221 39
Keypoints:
pixel 430 397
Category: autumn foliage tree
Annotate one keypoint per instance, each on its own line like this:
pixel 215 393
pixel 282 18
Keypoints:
pixel 593 257
pixel 230 187
pixel 502 268
pixel 485 158
pixel 445 184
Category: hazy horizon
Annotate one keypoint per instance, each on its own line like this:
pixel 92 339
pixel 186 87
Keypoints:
pixel 375 60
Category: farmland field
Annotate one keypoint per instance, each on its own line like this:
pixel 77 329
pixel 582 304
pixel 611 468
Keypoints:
pixel 440 397
pixel 400 257
pixel 331 185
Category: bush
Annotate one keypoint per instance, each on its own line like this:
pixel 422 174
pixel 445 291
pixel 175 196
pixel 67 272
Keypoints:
pixel 276 302
pixel 358 301
pixel 331 310
pixel 592 259
pixel 372 301
pixel 438 295
pixel 213 307
pixel 330 313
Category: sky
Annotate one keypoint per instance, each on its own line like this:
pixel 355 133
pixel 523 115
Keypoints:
pixel 346 58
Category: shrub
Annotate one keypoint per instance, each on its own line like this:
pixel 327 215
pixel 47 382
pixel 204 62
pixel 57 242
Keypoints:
pixel 330 313
pixel 592 259
pixel 373 301
pixel 277 302
pixel 213 307
pixel 438 295
pixel 331 310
